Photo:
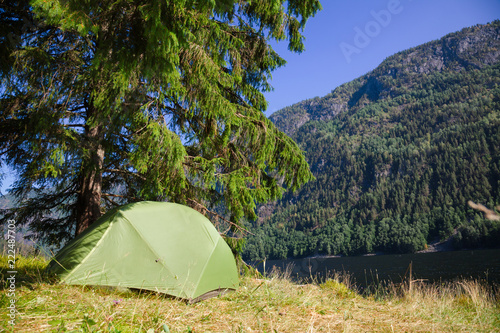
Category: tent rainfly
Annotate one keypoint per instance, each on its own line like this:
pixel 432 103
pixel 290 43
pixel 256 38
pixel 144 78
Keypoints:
pixel 158 246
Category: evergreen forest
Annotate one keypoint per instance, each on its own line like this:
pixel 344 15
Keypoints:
pixel 397 154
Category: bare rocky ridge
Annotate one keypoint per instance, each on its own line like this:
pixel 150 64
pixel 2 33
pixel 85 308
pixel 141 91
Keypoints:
pixel 456 51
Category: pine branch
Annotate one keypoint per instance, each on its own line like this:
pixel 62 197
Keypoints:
pixel 208 211
pixel 120 196
pixel 126 172
pixel 74 125
pixel 110 201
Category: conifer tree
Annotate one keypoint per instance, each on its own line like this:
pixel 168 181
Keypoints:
pixel 108 102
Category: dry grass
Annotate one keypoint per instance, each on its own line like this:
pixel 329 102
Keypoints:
pixel 273 304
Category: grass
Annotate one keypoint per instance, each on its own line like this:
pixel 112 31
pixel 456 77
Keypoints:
pixel 271 304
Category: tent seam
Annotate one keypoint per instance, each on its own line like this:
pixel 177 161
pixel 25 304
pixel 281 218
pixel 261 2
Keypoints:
pixel 147 243
pixel 91 251
pixel 205 266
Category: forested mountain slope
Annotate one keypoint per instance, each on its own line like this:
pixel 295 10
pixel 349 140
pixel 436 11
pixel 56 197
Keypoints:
pixel 397 153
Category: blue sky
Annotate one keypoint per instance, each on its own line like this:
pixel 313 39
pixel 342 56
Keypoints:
pixel 337 52
pixel 332 35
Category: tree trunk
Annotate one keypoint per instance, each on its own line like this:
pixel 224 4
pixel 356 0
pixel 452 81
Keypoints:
pixel 88 205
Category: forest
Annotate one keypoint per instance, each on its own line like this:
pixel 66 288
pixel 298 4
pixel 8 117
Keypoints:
pixel 397 154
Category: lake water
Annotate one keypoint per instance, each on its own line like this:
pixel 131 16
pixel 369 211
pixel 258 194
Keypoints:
pixel 366 270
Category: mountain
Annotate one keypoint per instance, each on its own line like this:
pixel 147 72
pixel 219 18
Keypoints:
pixel 6 201
pixel 397 154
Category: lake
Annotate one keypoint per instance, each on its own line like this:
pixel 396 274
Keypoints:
pixel 366 270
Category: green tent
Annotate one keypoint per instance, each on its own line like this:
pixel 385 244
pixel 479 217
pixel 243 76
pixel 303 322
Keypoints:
pixel 159 246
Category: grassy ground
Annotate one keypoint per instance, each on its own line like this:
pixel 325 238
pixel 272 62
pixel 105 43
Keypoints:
pixel 272 304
